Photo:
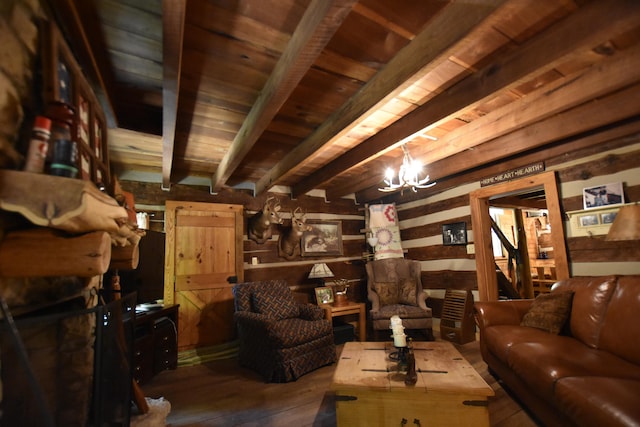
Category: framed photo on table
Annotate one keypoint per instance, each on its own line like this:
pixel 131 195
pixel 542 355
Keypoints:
pixel 324 295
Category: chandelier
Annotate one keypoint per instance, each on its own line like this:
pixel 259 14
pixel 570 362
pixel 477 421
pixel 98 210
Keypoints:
pixel 408 175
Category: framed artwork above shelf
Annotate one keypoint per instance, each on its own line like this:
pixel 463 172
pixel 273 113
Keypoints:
pixel 591 222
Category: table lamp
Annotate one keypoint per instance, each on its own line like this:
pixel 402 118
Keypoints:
pixel 626 226
pixel 320 271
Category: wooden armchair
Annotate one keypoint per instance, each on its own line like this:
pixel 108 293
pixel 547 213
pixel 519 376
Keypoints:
pixel 280 338
pixel 394 287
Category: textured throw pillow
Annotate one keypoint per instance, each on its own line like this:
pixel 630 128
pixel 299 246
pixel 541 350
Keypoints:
pixel 387 292
pixel 549 312
pixel 276 306
pixel 407 292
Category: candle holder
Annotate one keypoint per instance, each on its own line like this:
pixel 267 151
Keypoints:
pixel 400 356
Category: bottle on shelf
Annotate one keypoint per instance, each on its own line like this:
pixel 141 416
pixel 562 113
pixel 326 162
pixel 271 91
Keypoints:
pixel 63 149
pixel 38 145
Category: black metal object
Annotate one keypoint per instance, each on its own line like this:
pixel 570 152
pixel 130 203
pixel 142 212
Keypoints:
pixel 112 375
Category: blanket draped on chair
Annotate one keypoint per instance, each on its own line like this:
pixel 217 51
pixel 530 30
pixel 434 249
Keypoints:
pixel 383 223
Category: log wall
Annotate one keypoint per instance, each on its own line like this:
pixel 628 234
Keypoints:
pixel 446 267
pixel 149 197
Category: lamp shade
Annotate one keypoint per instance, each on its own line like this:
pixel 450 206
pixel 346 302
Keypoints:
pixel 320 271
pixel 626 226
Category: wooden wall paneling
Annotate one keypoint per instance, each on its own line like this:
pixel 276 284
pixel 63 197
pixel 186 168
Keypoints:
pixel 597 249
pixel 445 279
pixel 432 229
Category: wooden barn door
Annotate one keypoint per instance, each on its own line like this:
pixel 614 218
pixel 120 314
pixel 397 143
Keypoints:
pixel 203 255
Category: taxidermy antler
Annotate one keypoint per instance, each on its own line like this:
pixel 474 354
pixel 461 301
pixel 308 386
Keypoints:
pixel 259 226
pixel 289 242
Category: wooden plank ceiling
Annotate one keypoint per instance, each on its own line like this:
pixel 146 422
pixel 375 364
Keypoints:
pixel 320 94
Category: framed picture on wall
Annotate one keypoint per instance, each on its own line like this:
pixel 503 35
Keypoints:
pixel 588 220
pixel 323 239
pixel 454 233
pixel 608 217
pixel 603 195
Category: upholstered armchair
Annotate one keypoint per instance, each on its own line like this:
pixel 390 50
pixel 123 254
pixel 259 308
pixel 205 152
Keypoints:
pixel 394 287
pixel 280 338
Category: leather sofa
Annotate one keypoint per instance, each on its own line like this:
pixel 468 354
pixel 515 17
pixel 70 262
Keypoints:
pixel 588 374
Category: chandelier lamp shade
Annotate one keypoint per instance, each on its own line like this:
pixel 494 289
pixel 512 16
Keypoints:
pixel 408 175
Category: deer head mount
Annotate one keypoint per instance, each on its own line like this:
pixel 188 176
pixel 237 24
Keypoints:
pixel 259 225
pixel 289 242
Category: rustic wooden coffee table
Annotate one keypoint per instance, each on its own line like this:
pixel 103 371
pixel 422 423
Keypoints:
pixel 370 391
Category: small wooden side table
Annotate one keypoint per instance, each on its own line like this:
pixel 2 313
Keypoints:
pixel 358 308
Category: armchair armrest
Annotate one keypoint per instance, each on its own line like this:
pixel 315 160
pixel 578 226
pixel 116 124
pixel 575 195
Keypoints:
pixel 311 312
pixel 375 300
pixel 422 300
pixel 510 312
pixel 253 320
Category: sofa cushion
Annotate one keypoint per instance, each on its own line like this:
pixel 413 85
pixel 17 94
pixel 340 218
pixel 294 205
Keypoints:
pixel 541 364
pixel 387 292
pixel 278 305
pixel 599 401
pixel 621 329
pixel 549 312
pixel 500 338
pixel 590 299
pixel 407 292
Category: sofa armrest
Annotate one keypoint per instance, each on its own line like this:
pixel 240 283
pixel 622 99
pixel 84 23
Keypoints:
pixel 509 312
pixel 311 312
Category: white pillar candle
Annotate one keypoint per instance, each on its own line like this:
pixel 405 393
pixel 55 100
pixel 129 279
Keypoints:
pixel 400 340
pixel 395 320
pixel 398 330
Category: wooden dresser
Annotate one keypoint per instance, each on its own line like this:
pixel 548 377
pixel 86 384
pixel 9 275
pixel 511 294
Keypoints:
pixel 156 342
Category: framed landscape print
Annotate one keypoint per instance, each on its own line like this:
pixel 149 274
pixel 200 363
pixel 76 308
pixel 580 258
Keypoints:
pixel 324 239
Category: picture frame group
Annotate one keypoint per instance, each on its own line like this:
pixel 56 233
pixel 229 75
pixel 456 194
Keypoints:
pixel 593 219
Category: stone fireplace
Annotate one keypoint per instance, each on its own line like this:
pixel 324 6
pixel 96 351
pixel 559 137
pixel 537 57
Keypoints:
pixel 75 368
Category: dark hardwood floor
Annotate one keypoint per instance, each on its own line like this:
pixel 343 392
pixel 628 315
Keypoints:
pixel 220 393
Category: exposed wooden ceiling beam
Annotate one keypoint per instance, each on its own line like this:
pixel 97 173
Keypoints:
pixel 319 23
pixel 173 15
pixel 594 116
pixel 628 129
pixel 455 21
pixel 540 54
pixel 592 83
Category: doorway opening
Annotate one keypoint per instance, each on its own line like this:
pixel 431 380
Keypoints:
pixel 528 199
